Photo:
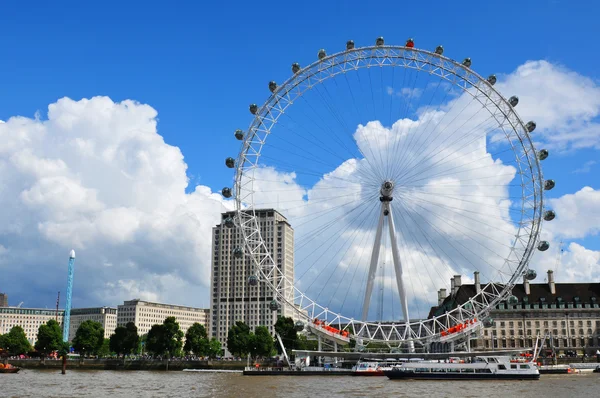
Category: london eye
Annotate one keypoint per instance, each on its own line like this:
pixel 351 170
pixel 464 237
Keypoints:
pixel 398 168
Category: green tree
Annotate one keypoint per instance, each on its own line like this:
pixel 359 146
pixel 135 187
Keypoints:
pixel 196 340
pixel 238 339
pixel 214 348
pixel 286 329
pixel 117 340
pixel 304 343
pixel 165 339
pixel 89 337
pixel 15 341
pixel 49 337
pixel 261 342
pixel 105 350
pixel 132 339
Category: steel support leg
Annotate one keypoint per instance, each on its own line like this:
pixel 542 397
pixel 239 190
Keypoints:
pixel 373 266
pixel 398 268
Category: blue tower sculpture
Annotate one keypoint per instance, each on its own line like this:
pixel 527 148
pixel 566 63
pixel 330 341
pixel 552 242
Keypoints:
pixel 67 317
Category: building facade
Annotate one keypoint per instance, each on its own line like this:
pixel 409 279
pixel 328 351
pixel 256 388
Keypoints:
pixel 232 297
pixel 145 314
pixel 566 315
pixel 3 300
pixel 29 319
pixel 106 316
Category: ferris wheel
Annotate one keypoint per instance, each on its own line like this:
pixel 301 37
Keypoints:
pixel 397 168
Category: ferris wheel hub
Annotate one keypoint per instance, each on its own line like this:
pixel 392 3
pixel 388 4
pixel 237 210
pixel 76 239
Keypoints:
pixel 386 191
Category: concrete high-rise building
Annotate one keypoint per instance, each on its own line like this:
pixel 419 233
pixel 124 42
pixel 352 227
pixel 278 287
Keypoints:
pixel 232 298
pixel 106 316
pixel 3 300
pixel 29 319
pixel 145 314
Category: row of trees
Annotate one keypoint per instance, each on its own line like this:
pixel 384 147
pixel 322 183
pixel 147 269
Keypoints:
pixel 242 342
pixel 164 339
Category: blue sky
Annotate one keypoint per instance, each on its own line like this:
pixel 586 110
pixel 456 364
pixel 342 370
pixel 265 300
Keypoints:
pixel 200 65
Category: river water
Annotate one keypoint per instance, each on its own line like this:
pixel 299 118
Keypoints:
pixel 78 383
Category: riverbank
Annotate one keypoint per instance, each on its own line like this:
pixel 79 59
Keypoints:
pixel 126 364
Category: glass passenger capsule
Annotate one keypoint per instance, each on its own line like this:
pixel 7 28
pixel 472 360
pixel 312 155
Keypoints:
pixel 530 274
pixel 410 43
pixel 543 246
pixel 513 101
pixel 549 215
pixel 467 62
pixel 492 79
pixel 379 41
pixel 530 126
pixel 253 109
pixel 226 192
pixel 272 86
pixel 512 300
pixel 238 252
pixel 295 67
pixel 274 305
pixel 439 50
pixel 322 54
pixel 299 326
pixel 239 134
pixel 230 162
pixel 543 154
pixel 252 280
pixel 549 184
pixel 229 222
pixel 350 45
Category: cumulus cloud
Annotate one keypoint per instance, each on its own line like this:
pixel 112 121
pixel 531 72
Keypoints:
pixel 96 176
pixel 564 104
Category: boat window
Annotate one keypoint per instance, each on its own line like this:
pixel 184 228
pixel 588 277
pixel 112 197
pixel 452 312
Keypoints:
pixel 524 366
pixel 501 367
pixel 513 366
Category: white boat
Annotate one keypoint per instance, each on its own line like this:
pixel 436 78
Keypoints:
pixel 477 368
pixel 375 367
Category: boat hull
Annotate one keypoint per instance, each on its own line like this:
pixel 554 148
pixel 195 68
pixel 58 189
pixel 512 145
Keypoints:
pixel 400 375
pixel 10 370
pixel 373 373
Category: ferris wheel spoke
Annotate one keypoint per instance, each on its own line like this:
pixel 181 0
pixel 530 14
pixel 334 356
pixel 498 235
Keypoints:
pixel 428 155
pixel 409 198
pixel 327 241
pixel 423 165
pixel 460 243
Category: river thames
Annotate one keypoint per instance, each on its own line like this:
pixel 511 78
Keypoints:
pixel 77 383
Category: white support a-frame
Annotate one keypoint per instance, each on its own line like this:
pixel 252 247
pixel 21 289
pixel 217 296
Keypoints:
pixel 386 212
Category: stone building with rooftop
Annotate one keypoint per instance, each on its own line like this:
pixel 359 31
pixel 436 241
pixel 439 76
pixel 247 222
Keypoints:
pixel 566 314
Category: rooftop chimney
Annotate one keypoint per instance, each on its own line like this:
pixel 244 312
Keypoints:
pixel 457 283
pixel 477 282
pixel 526 285
pixel 441 296
pixel 551 282
pixel 452 286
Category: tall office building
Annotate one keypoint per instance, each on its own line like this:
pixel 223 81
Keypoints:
pixel 106 316
pixel 3 300
pixel 232 298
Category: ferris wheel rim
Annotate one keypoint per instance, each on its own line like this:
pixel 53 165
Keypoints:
pixel 247 220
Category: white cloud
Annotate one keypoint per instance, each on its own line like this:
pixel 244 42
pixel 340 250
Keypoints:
pixel 577 215
pixel 585 168
pixel 564 104
pixel 98 177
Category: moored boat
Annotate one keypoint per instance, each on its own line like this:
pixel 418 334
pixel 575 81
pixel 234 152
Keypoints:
pixel 8 368
pixel 373 367
pixel 478 368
